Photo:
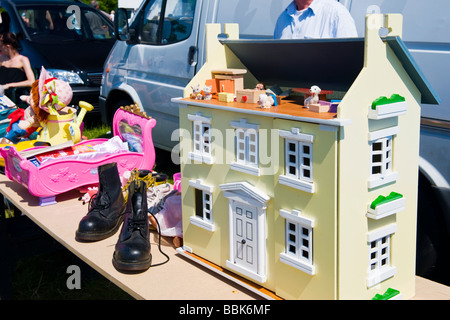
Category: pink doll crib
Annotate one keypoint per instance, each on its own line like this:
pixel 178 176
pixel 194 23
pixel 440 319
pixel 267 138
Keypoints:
pixel 46 178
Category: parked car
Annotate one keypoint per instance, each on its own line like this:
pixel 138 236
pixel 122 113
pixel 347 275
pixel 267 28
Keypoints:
pixel 63 37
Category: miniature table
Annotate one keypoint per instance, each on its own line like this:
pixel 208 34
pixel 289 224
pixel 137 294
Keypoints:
pixel 178 279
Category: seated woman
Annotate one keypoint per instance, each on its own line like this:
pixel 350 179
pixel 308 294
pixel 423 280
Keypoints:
pixel 15 69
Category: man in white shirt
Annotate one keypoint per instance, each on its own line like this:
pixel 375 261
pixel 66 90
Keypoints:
pixel 307 19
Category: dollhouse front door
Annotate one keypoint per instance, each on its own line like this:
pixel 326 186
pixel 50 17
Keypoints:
pixel 245 236
pixel 247 229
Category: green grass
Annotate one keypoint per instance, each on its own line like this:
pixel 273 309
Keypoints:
pixel 93 130
pixel 43 276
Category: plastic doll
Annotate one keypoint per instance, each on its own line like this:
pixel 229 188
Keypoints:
pixel 48 96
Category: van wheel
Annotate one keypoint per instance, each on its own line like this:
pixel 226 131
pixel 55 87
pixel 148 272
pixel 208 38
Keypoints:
pixel 432 261
pixel 120 103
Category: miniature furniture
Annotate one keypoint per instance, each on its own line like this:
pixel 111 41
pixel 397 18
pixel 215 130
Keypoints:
pixel 62 174
pixel 289 199
pixel 226 80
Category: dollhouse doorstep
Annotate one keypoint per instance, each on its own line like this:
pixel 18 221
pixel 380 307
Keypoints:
pixel 261 291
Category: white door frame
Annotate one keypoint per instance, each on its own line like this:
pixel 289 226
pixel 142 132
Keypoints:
pixel 243 193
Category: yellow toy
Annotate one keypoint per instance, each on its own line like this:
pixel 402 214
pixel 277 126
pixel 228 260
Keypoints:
pixel 60 128
pixel 47 109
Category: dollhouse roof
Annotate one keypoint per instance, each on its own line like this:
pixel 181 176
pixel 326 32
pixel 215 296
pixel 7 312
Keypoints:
pixel 333 64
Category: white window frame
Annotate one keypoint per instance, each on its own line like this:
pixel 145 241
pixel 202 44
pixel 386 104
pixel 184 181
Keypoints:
pixel 246 147
pixel 202 220
pixel 201 138
pixel 301 162
pixel 298 241
pixel 382 158
pixel 380 251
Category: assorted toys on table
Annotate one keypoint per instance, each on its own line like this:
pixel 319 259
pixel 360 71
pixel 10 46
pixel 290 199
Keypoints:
pixel 48 114
pixel 295 232
pixel 57 174
pixel 115 175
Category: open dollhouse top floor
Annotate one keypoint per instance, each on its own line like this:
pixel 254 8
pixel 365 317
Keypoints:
pixel 287 109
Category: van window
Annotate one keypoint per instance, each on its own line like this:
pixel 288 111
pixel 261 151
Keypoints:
pixel 167 21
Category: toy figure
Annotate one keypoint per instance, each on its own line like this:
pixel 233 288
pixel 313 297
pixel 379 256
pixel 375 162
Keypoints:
pixel 207 92
pixel 48 96
pixel 259 86
pixel 196 92
pixel 314 98
pixel 268 99
pixel 265 101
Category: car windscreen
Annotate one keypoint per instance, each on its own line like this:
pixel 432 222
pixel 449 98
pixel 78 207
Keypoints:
pixel 53 24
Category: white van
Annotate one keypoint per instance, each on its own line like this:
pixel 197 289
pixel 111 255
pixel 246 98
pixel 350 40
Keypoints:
pixel 162 48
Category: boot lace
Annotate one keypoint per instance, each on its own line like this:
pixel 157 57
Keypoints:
pixel 137 225
pixel 99 203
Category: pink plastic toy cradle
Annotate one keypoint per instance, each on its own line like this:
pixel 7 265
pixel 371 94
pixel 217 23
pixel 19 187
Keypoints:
pixel 61 175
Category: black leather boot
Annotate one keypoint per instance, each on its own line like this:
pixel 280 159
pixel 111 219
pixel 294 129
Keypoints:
pixel 107 208
pixel 133 251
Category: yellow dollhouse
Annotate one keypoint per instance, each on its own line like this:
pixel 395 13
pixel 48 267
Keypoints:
pixel 303 204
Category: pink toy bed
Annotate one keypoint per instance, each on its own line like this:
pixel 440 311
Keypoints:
pixel 58 175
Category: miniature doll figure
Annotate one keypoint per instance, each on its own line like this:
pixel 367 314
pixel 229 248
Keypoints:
pixel 207 92
pixel 268 99
pixel 314 97
pixel 259 86
pixel 196 92
pixel 48 96
pixel 265 101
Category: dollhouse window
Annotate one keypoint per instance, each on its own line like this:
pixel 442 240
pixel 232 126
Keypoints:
pixel 246 147
pixel 203 215
pixel 298 251
pixel 381 155
pixel 381 161
pixel 201 138
pixel 299 160
pixel 380 267
pixel 298 171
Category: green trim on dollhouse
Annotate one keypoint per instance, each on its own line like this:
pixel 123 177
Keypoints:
pixel 384 107
pixel 382 199
pixel 389 294
pixel 383 206
pixel 384 100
